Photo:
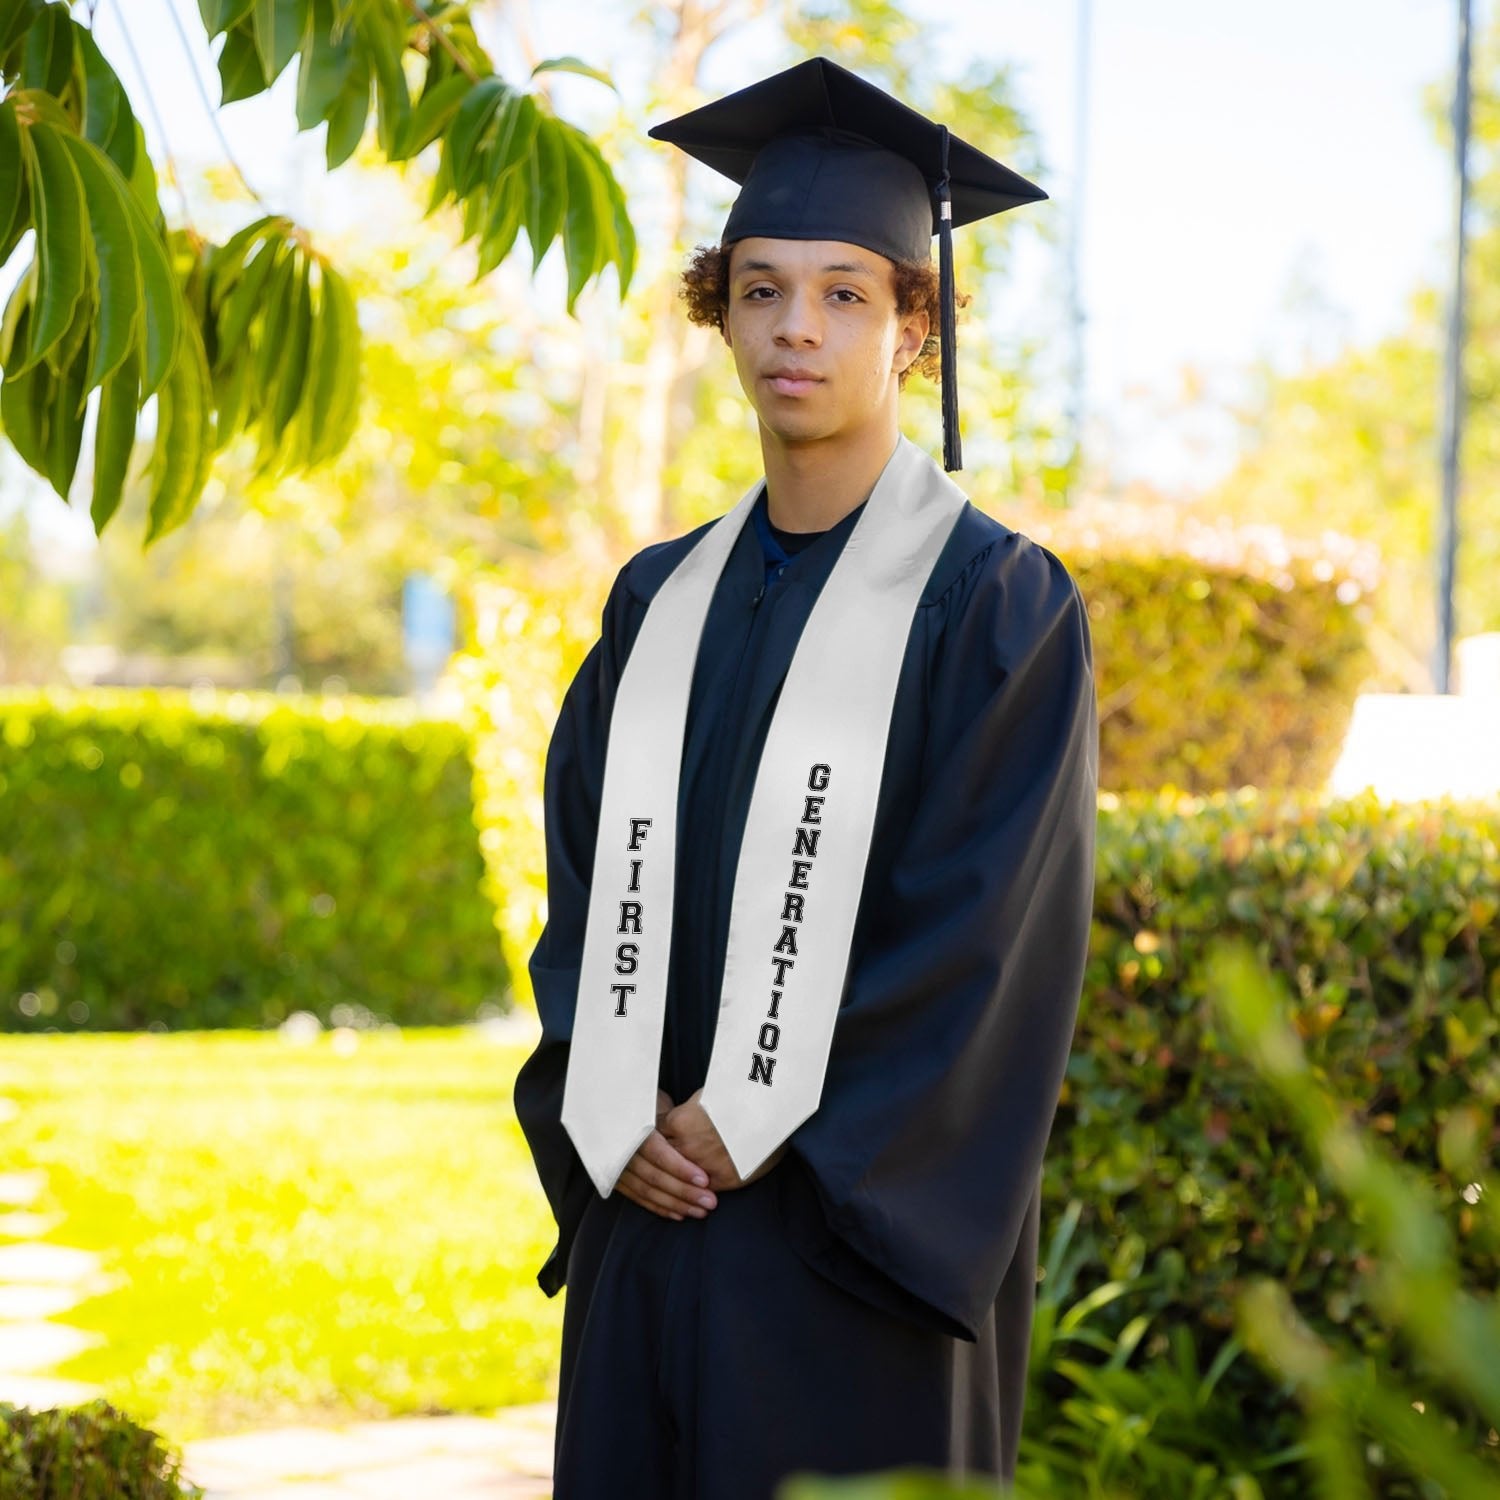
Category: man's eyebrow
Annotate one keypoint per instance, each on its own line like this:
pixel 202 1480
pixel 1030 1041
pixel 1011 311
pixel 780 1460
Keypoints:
pixel 842 265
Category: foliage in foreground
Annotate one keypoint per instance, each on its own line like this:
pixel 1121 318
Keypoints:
pixel 88 1452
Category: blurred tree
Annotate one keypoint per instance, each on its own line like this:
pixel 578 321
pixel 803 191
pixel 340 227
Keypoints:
pixel 1351 443
pixel 34 610
pixel 260 334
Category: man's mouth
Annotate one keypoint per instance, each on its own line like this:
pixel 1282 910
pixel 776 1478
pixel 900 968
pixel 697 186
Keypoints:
pixel 793 382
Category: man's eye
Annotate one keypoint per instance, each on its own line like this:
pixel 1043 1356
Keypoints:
pixel 753 290
pixel 844 291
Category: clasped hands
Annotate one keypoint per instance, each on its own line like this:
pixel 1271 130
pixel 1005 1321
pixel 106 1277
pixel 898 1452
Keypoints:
pixel 678 1169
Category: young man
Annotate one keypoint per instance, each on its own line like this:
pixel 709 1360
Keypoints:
pixel 820 837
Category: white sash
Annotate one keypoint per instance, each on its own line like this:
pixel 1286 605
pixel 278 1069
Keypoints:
pixel 806 842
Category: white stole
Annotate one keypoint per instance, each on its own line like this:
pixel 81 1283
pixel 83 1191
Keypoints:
pixel 802 858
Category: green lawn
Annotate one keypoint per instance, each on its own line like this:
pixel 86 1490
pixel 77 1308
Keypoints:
pixel 306 1235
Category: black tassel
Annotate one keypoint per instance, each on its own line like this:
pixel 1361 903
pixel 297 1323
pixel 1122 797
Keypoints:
pixel 948 333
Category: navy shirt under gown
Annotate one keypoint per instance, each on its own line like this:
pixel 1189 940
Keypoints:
pixel 915 1185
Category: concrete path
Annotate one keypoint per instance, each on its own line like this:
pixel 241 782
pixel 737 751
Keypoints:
pixel 39 1282
pixel 507 1457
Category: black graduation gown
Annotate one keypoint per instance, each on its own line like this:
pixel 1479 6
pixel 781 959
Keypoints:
pixel 868 1302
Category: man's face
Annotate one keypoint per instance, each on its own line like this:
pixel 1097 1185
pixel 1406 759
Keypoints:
pixel 816 336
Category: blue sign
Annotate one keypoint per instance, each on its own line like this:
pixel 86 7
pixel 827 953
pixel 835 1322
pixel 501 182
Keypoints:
pixel 427 626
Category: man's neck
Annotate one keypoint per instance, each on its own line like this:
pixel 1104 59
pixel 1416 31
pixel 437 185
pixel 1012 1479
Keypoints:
pixel 813 486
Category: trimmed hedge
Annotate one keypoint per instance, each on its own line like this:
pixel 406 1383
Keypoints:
pixel 1383 920
pixel 1228 654
pixel 1212 677
pixel 171 859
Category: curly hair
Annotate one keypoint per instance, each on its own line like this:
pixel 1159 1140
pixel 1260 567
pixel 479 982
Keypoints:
pixel 705 289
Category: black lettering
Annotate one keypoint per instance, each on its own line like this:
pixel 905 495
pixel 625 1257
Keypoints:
pixel 819 776
pixel 775 1031
pixel 630 917
pixel 620 991
pixel 627 958
pixel 760 1068
pixel 810 809
pixel 638 827
pixel 807 840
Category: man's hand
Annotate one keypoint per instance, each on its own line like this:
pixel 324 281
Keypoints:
pixel 689 1129
pixel 663 1178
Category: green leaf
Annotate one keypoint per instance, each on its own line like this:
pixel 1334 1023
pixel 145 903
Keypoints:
pixel 436 107
pixel 547 189
pixel 278 27
pixel 121 290
pixel 220 15
pixel 25 402
pixel 324 67
pixel 114 438
pixel 143 179
pixel 241 72
pixel 573 65
pixel 328 364
pixel 507 204
pixel 512 140
pixel 617 235
pixel 587 221
pixel 65 423
pixel 280 289
pixel 346 120
pixel 247 298
pixel 293 338
pixel 57 195
pixel 47 58
pixel 338 390
pixel 13 200
pixel 383 32
pixel 469 124
pixel 164 313
pixel 179 459
pixel 108 120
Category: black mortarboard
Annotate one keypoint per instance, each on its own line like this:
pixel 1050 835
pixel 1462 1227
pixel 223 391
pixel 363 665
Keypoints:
pixel 822 155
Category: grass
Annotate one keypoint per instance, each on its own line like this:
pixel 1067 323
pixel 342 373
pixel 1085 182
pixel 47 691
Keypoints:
pixel 305 1233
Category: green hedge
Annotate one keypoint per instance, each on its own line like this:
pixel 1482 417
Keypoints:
pixel 175 860
pixel 1192 1181
pixel 1220 677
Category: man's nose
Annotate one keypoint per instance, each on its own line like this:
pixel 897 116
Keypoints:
pixel 800 321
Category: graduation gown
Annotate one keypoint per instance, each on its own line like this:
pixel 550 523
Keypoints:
pixel 868 1302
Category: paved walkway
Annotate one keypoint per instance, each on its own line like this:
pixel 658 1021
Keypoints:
pixel 508 1457
pixel 39 1282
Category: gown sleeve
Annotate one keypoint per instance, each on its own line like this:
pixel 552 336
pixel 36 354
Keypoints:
pixel 914 1181
pixel 573 783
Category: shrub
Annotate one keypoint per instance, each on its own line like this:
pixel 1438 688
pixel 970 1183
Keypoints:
pixel 173 859
pixel 89 1452
pixel 1227 655
pixel 1382 922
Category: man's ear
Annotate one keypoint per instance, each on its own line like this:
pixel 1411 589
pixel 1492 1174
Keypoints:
pixel 914 329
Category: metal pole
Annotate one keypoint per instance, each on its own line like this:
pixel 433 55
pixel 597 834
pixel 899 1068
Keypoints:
pixel 1075 219
pixel 1453 382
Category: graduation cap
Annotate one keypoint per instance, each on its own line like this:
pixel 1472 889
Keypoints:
pixel 822 155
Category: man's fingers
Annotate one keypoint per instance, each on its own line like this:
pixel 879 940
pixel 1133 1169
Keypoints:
pixel 660 1152
pixel 681 1192
pixel 657 1199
